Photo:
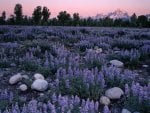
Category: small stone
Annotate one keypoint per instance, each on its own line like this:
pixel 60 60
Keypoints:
pixel 13 65
pixel 41 94
pixel 145 66
pixel 104 100
pixel 38 76
pixel 116 51
pixel 116 63
pixel 23 87
pixel 125 111
pixel 39 85
pixel 15 78
pixel 114 93
pixel 99 50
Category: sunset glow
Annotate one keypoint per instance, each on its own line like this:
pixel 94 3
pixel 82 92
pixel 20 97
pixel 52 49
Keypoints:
pixel 83 7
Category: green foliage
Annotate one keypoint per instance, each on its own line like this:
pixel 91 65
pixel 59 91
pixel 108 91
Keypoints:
pixel 46 72
pixel 3 104
pixel 142 21
pixel 132 104
pixel 4 64
pixel 29 66
pixel 79 87
pixel 94 64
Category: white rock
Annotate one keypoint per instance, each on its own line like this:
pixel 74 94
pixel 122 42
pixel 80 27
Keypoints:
pixel 90 50
pixel 25 76
pixel 125 111
pixel 39 85
pixel 114 93
pixel 23 87
pixel 41 94
pixel 116 63
pixel 104 100
pixel 15 78
pixel 145 66
pixel 38 76
pixel 99 50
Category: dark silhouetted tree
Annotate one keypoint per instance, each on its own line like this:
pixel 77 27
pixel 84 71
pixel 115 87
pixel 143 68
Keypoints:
pixel 11 20
pixel 25 20
pixel 64 18
pixel 54 22
pixel 107 21
pixel 18 13
pixel 76 19
pixel 118 22
pixel 89 21
pixel 3 18
pixel 37 15
pixel 133 20
pixel 142 21
pixel 46 14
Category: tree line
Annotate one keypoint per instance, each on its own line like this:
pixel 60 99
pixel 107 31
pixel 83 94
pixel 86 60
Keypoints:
pixel 41 16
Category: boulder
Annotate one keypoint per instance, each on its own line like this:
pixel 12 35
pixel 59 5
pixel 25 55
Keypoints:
pixel 15 78
pixel 114 93
pixel 125 111
pixel 38 76
pixel 104 100
pixel 39 85
pixel 116 63
pixel 23 87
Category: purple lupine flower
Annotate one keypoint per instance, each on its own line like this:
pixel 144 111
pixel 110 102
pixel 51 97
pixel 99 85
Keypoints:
pixel 69 111
pixel 44 107
pixel 141 93
pixel 91 106
pixel 134 89
pixel 24 109
pixel 83 103
pixel 127 90
pixel 76 100
pixel 106 109
pixel 67 83
pixel 53 110
pixel 54 98
pixel 32 106
pixel 96 106
pixel 46 63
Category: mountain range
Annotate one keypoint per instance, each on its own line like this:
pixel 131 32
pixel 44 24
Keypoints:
pixel 114 15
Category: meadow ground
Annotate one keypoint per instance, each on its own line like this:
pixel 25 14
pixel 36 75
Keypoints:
pixel 74 69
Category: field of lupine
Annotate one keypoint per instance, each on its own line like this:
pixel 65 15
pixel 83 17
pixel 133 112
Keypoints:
pixel 74 70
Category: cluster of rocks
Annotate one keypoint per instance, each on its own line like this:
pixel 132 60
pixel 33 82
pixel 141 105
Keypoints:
pixel 39 83
pixel 112 94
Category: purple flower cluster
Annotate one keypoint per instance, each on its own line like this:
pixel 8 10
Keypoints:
pixel 6 95
pixel 74 61
pixel 57 104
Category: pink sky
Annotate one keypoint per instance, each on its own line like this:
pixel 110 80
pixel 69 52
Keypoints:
pixel 83 7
